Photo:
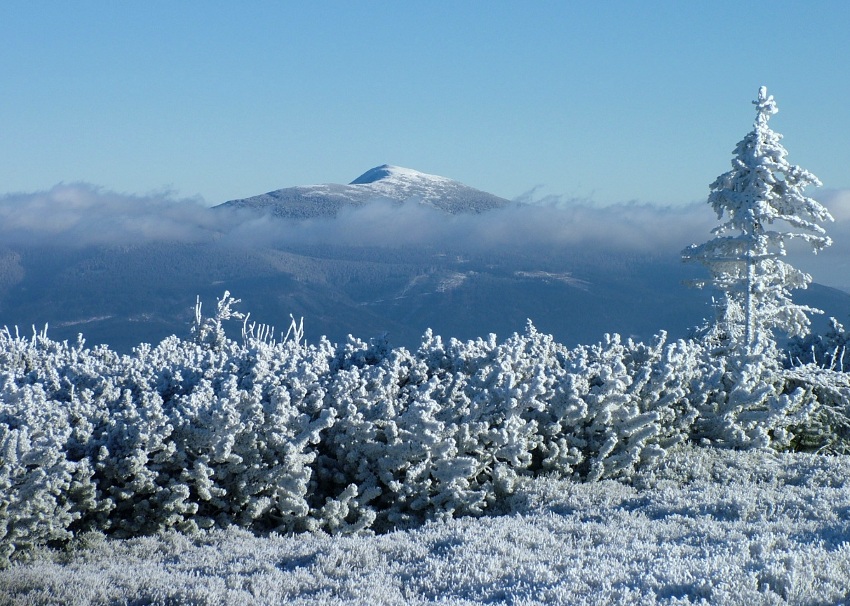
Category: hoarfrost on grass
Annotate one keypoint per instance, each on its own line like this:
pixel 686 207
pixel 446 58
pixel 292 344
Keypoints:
pixel 700 526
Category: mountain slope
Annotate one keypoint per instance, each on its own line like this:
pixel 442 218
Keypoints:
pixel 472 272
pixel 390 183
pixel 124 296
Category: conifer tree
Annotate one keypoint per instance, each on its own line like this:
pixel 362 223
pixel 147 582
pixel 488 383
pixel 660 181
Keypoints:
pixel 762 202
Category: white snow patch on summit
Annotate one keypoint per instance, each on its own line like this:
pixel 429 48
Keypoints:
pixel 396 174
pixel 396 182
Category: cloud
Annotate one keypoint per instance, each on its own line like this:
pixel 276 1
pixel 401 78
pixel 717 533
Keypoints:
pixel 83 215
pixel 838 203
pixel 624 227
pixel 80 214
pixel 832 265
pixel 551 225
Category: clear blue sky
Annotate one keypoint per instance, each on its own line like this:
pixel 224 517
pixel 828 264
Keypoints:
pixel 611 101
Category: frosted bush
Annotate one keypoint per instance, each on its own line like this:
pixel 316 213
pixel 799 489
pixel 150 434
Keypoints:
pixel 827 350
pixel 622 404
pixel 284 436
pixel 826 429
pixel 45 486
pixel 241 426
pixel 187 434
pixel 752 407
pixel 753 402
pixel 453 427
pixel 437 432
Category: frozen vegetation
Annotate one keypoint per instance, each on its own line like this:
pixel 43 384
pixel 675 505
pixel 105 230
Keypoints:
pixel 268 470
pixel 701 526
pixel 186 472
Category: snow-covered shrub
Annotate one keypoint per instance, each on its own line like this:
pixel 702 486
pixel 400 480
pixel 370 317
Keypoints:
pixel 826 350
pixel 246 437
pixel 238 424
pixel 37 485
pixel 818 363
pixel 45 485
pixel 754 402
pixel 620 404
pixel 826 429
pixel 186 434
pixel 450 428
pixel 750 404
pixel 285 436
pixel 437 432
pixel 210 331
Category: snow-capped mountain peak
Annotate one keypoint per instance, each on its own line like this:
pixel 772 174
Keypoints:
pixel 388 173
pixel 385 182
pixel 402 184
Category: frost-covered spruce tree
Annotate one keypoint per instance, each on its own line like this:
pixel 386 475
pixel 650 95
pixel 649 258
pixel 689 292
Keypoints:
pixel 764 207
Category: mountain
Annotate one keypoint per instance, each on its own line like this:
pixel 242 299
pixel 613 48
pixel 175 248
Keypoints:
pixel 126 295
pixel 391 183
pixel 143 290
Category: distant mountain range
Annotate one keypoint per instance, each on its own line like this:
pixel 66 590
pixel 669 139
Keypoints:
pixel 131 292
pixel 384 182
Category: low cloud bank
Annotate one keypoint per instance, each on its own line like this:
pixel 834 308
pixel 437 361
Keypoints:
pixel 83 215
pixel 80 214
pixel 624 227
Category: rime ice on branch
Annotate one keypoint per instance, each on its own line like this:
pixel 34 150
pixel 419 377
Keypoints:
pixel 764 206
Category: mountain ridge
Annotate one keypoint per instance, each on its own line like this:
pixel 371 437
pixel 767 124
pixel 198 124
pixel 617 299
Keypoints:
pixel 386 182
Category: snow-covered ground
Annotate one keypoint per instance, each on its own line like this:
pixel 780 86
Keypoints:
pixel 699 526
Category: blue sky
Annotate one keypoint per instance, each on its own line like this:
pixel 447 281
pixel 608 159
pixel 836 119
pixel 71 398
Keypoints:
pixel 607 101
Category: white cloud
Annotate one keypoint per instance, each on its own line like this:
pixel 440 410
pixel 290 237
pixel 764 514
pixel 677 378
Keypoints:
pixel 832 265
pixel 81 214
pixel 635 227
